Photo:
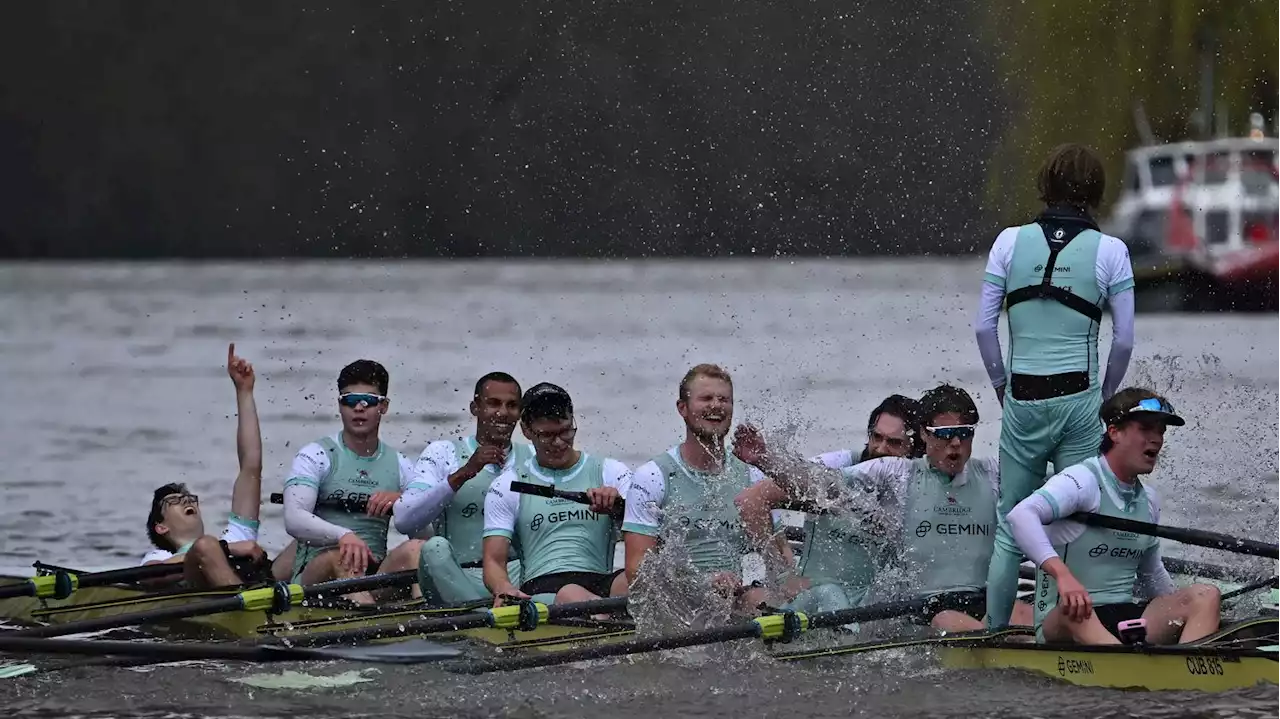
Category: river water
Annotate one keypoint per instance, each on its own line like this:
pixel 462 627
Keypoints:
pixel 118 374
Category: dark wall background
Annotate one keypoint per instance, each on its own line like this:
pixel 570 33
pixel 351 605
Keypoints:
pixel 477 127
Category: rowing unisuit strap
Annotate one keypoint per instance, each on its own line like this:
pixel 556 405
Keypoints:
pixel 1058 239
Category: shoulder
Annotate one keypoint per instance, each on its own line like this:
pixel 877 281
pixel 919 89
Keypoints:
pixel 1001 254
pixel 441 449
pixel 880 469
pixel 834 460
pixel 156 555
pixel 614 471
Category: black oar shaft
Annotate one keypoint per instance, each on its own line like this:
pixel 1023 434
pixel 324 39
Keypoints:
pixel 215 606
pixel 1197 537
pixel 735 632
pixel 31 587
pixel 155 650
pixel 542 490
pixel 436 625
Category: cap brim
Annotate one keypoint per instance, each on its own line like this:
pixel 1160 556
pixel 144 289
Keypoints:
pixel 1168 417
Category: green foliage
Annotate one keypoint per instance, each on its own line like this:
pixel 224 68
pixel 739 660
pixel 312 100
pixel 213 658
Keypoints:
pixel 1073 71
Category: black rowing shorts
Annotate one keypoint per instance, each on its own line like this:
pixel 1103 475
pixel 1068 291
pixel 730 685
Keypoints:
pixel 598 584
pixel 1112 614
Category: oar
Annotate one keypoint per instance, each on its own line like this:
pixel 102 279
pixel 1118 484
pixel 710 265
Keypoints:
pixel 525 616
pixel 61 584
pixel 355 506
pixel 1197 537
pixel 276 598
pixel 399 653
pixel 772 627
pixel 542 490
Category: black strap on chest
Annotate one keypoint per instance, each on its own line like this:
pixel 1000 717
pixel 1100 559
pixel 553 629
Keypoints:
pixel 1058 239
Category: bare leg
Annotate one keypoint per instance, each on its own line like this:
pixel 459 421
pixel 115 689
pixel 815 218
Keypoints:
pixel 571 593
pixel 1059 628
pixel 206 564
pixel 950 620
pixel 327 566
pixel 620 588
pixel 1023 615
pixel 404 556
pixel 282 565
pixel 1188 614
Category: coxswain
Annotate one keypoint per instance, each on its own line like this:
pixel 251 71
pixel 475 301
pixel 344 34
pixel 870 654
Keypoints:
pixel 453 477
pixel 1055 275
pixel 176 524
pixel 566 548
pixel 1088 577
pixel 335 539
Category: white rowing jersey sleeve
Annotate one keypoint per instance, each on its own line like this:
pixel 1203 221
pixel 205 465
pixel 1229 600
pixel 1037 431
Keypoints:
pixel 1037 521
pixel 617 475
pixel 501 505
pixel 429 492
pixel 645 500
pixel 880 490
pixel 301 491
pixel 839 459
pixel 1114 268
pixel 1001 255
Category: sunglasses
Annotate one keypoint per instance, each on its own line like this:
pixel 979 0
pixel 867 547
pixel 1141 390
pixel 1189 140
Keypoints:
pixel 355 399
pixel 955 431
pixel 175 500
pixel 548 437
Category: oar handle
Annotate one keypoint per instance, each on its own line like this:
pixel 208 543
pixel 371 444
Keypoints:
pixel 1197 537
pixel 355 506
pixel 543 490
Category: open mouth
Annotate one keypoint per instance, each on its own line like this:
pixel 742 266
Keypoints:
pixel 1151 453
pixel 189 510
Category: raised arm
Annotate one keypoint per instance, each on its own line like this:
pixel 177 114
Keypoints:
pixel 246 493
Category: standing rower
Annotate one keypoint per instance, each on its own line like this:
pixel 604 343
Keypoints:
pixel 1086 575
pixel 566 548
pixel 176 525
pixel 935 515
pixel 691 488
pixel 336 541
pixel 453 477
pixel 1055 275
pixel 840 559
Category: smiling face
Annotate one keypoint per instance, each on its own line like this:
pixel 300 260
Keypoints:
pixel 887 438
pixel 949 443
pixel 708 411
pixel 180 518
pixel 361 407
pixel 497 410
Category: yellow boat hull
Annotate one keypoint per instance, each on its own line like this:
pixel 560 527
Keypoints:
pixel 1124 669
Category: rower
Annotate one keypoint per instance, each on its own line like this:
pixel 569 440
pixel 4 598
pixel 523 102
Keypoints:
pixel 176 525
pixel 566 549
pixel 453 477
pixel 839 560
pixel 937 511
pixel 335 541
pixel 691 488
pixel 1055 274
pixel 1086 575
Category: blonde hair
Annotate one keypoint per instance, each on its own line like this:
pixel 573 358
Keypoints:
pixel 712 371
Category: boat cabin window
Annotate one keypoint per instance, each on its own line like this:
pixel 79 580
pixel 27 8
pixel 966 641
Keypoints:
pixel 1129 182
pixel 1148 232
pixel 1163 172
pixel 1217 227
pixel 1217 166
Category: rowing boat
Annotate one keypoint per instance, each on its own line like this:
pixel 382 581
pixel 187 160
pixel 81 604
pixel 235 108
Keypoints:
pixel 1241 655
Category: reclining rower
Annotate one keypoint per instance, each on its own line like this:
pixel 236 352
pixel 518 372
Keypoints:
pixel 176 524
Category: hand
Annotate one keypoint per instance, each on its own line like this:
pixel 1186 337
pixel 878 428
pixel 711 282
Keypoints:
pixel 380 504
pixel 247 548
pixel 509 590
pixel 603 499
pixel 485 454
pixel 354 553
pixel 1073 599
pixel 748 445
pixel 725 583
pixel 1000 395
pixel 240 370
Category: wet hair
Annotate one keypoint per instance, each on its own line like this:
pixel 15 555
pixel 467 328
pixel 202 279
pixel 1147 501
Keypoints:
pixel 714 371
pixel 905 409
pixel 1114 412
pixel 545 401
pixel 364 371
pixel 157 517
pixel 945 399
pixel 502 377
pixel 1071 175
